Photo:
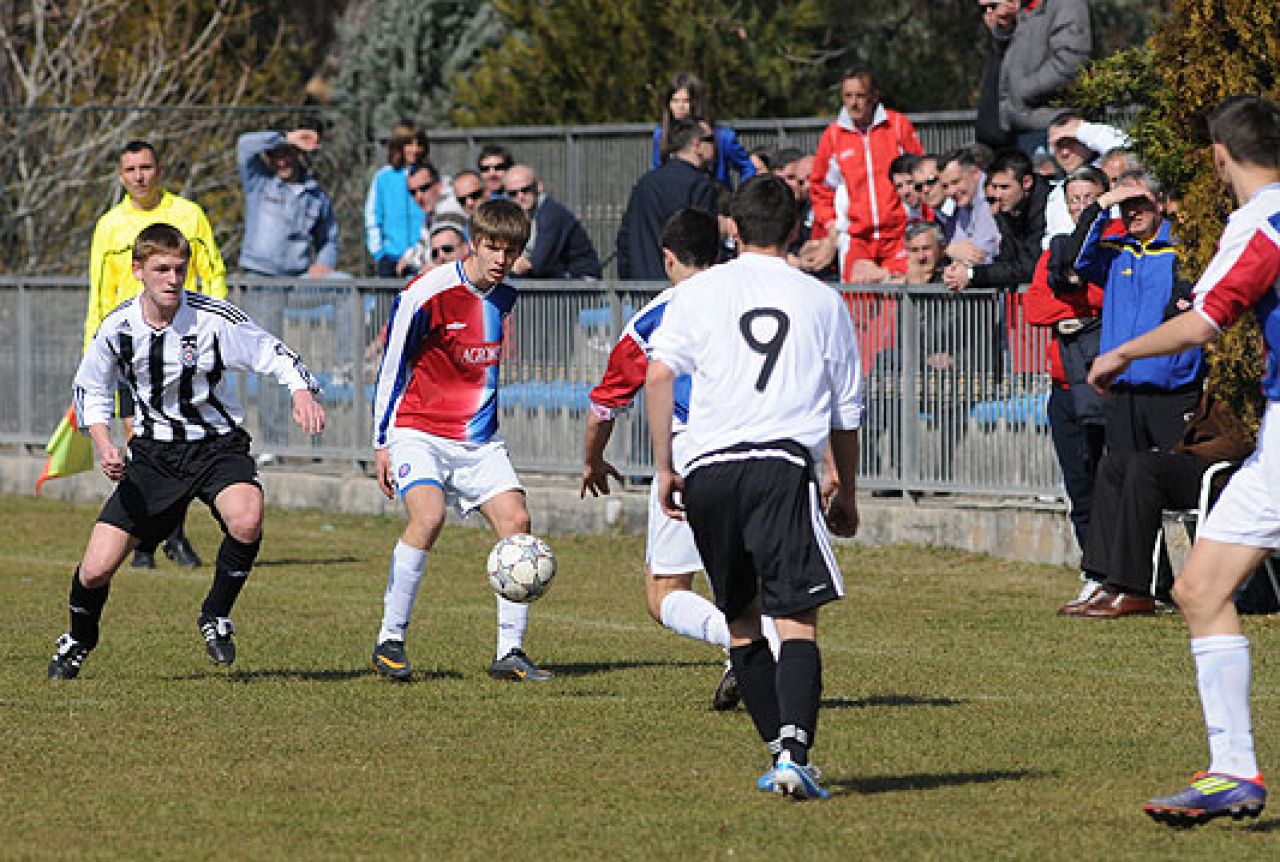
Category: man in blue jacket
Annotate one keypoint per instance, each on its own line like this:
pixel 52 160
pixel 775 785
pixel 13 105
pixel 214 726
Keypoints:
pixel 1138 270
pixel 289 231
pixel 289 225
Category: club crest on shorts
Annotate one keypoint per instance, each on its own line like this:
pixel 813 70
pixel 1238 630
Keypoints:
pixel 188 352
pixel 404 470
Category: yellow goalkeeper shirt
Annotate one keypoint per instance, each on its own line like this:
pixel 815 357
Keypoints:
pixel 111 279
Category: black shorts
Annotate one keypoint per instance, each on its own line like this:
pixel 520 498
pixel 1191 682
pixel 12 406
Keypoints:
pixel 162 478
pixel 758 523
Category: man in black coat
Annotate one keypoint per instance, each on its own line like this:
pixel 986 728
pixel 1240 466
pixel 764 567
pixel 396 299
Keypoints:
pixel 558 245
pixel 681 181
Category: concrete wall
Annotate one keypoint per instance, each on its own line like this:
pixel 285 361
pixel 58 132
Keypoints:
pixel 1021 530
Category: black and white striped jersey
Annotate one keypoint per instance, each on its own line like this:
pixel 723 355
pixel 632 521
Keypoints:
pixel 179 375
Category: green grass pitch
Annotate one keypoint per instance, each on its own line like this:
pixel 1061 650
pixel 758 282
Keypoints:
pixel 962 719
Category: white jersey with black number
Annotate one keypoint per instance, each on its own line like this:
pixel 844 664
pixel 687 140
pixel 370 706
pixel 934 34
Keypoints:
pixel 772 353
pixel 178 374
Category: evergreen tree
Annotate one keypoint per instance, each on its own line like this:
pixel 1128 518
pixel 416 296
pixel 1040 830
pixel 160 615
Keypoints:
pixel 579 61
pixel 398 63
pixel 1205 51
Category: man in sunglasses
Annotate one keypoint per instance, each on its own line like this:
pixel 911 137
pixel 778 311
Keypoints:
pixel 468 191
pixel 426 187
pixel 494 162
pixel 558 245
pixel 448 241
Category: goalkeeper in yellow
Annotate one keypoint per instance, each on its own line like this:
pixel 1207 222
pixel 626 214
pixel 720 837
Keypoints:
pixel 111 279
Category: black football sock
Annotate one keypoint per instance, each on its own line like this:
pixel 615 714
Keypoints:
pixel 235 561
pixel 86 610
pixel 799 693
pixel 754 667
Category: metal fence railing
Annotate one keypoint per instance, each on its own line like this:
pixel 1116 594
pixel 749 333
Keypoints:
pixel 957 384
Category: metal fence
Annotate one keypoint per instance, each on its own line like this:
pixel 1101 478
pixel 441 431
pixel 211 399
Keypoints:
pixel 58 168
pixel 957 385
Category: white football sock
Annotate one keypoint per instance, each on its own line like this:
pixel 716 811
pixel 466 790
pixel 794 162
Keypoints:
pixel 1223 676
pixel 513 619
pixel 407 566
pixel 689 614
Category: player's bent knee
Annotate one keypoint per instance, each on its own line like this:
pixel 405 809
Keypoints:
pixel 243 522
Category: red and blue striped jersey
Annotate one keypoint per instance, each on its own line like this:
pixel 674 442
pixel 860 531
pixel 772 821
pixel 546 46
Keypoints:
pixel 439 371
pixel 629 361
pixel 1245 273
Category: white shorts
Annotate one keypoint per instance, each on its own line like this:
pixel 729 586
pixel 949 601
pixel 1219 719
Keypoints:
pixel 1248 512
pixel 670 549
pixel 470 474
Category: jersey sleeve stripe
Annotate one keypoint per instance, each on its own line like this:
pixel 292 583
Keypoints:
pixel 211 305
pixel 1233 285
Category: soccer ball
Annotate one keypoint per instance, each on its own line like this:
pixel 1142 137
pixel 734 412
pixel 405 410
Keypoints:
pixel 521 567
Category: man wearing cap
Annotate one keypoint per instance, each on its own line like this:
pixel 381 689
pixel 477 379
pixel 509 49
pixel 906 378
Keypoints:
pixel 443 240
pixel 558 246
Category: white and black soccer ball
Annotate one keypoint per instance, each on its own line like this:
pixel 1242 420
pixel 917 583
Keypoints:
pixel 521 567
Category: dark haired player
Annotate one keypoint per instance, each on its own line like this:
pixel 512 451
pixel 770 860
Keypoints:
pixel 1244 527
pixel 173 349
pixel 690 243
pixel 775 374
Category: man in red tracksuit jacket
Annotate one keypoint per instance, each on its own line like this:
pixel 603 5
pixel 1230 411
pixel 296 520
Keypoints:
pixel 857 150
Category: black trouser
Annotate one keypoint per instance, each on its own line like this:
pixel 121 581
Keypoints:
pixel 1078 446
pixel 1144 417
pixel 1130 493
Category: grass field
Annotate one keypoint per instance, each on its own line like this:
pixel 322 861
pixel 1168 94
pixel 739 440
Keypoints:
pixel 963 720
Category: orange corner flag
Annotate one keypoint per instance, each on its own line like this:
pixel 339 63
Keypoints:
pixel 70 452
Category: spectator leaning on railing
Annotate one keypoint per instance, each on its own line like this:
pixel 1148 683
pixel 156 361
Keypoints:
pixel 1020 194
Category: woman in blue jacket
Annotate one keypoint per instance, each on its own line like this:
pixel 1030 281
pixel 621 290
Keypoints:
pixel 686 97
pixel 392 218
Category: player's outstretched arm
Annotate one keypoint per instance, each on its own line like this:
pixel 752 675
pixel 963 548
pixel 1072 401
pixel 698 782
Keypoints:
pixel 1184 332
pixel 307 412
pixel 595 469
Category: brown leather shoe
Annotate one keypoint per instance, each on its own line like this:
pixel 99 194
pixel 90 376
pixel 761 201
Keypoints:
pixel 1109 606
